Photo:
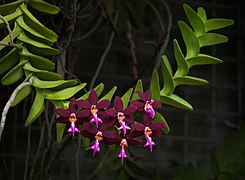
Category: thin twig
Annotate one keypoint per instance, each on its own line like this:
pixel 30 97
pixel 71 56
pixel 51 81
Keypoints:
pixel 102 59
pixel 11 42
pixel 10 101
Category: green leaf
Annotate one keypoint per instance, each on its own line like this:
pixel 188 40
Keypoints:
pixel 42 74
pixel 37 107
pixel 35 24
pixel 168 87
pixel 176 101
pixel 22 94
pixel 189 80
pixel 99 89
pixel 16 31
pixel 217 23
pixel 155 87
pixel 50 84
pixel 110 94
pixel 9 8
pixel 64 93
pixel 37 47
pixel 195 21
pixel 8 61
pixel 138 87
pixel 22 24
pixel 202 14
pixel 160 118
pixel 203 59
pixel 183 68
pixel 126 97
pixel 212 39
pixel 11 16
pixel 60 128
pixel 42 6
pixel 14 74
pixel 190 39
pixel 38 62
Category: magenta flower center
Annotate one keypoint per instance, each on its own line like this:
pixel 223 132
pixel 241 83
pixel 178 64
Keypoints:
pixel 73 118
pixel 99 136
pixel 93 109
pixel 148 131
pixel 120 116
pixel 149 109
pixel 124 143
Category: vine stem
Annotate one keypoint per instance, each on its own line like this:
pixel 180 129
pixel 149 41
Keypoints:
pixel 11 43
pixel 10 101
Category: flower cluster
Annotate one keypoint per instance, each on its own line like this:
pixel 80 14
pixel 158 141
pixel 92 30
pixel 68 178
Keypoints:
pixel 114 125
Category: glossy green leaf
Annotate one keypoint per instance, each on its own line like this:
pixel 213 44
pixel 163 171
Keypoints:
pixel 195 21
pixel 110 94
pixel 42 74
pixel 176 101
pixel 189 80
pixel 126 97
pixel 155 87
pixel 183 68
pixel 8 61
pixel 36 108
pixel 38 62
pixel 212 39
pixel 65 93
pixel 60 128
pixel 14 74
pixel 10 17
pixel 42 38
pixel 190 39
pixel 160 118
pixel 99 89
pixel 16 31
pixel 168 87
pixel 22 94
pixel 42 6
pixel 138 87
pixel 9 8
pixel 202 14
pixel 203 59
pixel 217 23
pixel 41 48
pixel 35 24
pixel 49 84
pixel 68 83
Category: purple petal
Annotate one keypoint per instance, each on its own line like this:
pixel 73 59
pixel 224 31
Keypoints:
pixel 83 104
pixel 130 110
pixel 87 134
pixel 134 141
pixel 157 125
pixel 61 119
pixel 157 104
pixel 111 112
pixel 138 127
pixel 148 95
pixel 110 134
pixel 93 97
pixel 146 120
pixel 102 126
pixel 90 127
pixel 109 122
pixel 141 95
pixel 156 133
pixel 135 134
pixel 139 104
pixel 103 104
pixel 118 104
pixel 80 120
pixel 83 113
pixel 62 112
pixel 72 105
pixel 129 120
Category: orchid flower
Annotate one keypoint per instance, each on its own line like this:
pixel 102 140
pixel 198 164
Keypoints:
pixel 120 114
pixel 96 109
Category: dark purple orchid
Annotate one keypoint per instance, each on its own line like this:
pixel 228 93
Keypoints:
pixel 94 108
pixel 100 134
pixel 120 114
pixel 149 130
pixel 71 116
pixel 146 103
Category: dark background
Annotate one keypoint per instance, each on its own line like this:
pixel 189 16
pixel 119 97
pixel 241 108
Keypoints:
pixel 218 106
